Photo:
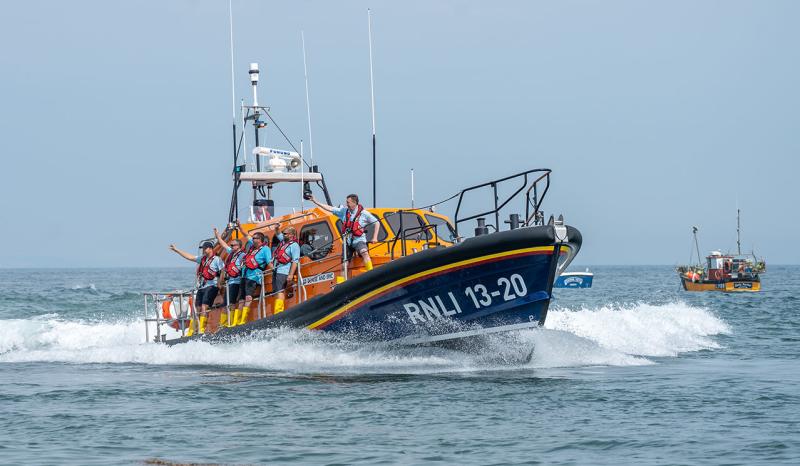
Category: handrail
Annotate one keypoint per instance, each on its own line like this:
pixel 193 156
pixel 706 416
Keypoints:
pixel 500 205
pixel 410 231
pixel 537 201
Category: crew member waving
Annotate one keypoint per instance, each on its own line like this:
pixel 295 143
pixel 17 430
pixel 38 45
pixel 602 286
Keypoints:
pixel 208 269
pixel 355 220
pixel 234 270
pixel 256 261
pixel 286 261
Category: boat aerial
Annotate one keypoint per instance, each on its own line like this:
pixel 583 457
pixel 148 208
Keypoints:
pixel 427 281
pixel 723 272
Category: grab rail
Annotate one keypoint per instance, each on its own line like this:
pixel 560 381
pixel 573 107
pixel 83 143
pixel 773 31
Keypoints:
pixel 529 216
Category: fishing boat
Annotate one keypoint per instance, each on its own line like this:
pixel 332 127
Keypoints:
pixel 575 279
pixel 723 272
pixel 430 282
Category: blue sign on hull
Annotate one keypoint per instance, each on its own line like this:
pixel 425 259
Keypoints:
pixel 577 280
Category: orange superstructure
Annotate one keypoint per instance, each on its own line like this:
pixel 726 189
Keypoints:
pixel 322 264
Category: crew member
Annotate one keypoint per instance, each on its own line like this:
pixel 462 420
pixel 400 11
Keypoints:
pixel 355 220
pixel 234 265
pixel 208 269
pixel 285 262
pixel 256 260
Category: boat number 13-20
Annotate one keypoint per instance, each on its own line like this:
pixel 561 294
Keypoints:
pixel 510 288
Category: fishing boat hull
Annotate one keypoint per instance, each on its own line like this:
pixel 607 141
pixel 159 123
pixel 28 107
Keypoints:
pixel 732 286
pixel 491 283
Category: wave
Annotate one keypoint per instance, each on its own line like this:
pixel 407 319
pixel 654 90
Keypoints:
pixel 612 336
pixel 643 329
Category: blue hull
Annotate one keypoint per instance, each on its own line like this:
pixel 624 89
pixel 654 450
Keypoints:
pixel 487 294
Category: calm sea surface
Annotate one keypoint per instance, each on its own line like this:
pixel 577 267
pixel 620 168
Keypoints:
pixel 632 371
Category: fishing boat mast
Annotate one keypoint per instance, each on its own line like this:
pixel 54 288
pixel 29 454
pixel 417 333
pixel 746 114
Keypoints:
pixel 696 247
pixel 738 238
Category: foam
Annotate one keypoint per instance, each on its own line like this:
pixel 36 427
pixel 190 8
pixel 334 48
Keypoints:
pixel 609 335
pixel 643 329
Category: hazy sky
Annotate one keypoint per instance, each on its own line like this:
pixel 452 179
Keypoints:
pixel 655 116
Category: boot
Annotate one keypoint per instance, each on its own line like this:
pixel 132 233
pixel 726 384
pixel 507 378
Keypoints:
pixel 368 264
pixel 278 306
pixel 190 330
pixel 245 313
pixel 203 320
pixel 223 319
pixel 237 314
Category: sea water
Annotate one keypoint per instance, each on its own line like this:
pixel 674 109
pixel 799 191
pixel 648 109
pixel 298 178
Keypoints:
pixel 633 370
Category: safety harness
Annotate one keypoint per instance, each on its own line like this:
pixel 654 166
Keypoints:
pixel 231 269
pixel 250 259
pixel 281 254
pixel 204 269
pixel 352 225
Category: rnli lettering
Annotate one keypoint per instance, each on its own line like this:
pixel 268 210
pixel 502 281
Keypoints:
pixel 438 307
pixel 432 308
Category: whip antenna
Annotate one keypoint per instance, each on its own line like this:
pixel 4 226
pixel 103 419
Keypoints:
pixel 412 188
pixel 234 214
pixel 233 80
pixel 372 95
pixel 308 101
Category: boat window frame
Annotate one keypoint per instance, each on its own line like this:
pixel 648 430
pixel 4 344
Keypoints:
pixel 328 245
pixel 421 226
pixel 450 229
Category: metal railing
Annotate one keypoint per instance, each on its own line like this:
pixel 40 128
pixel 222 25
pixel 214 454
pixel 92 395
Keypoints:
pixel 533 197
pixel 153 302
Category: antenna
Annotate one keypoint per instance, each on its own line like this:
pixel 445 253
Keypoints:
pixel 308 102
pixel 233 80
pixel 302 181
pixel 234 214
pixel 372 95
pixel 412 188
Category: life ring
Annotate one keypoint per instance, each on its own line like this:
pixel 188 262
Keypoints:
pixel 165 305
pixel 166 308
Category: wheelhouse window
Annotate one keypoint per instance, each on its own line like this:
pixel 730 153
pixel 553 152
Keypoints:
pixel 443 228
pixel 413 226
pixel 316 240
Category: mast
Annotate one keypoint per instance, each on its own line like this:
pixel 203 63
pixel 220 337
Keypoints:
pixel 372 96
pixel 254 82
pixel 738 238
pixel 696 245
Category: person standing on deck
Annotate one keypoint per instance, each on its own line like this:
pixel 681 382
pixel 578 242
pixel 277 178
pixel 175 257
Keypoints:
pixel 256 260
pixel 234 269
pixel 355 220
pixel 286 261
pixel 208 268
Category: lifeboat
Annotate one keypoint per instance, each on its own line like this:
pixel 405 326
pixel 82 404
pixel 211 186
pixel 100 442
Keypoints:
pixel 431 280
